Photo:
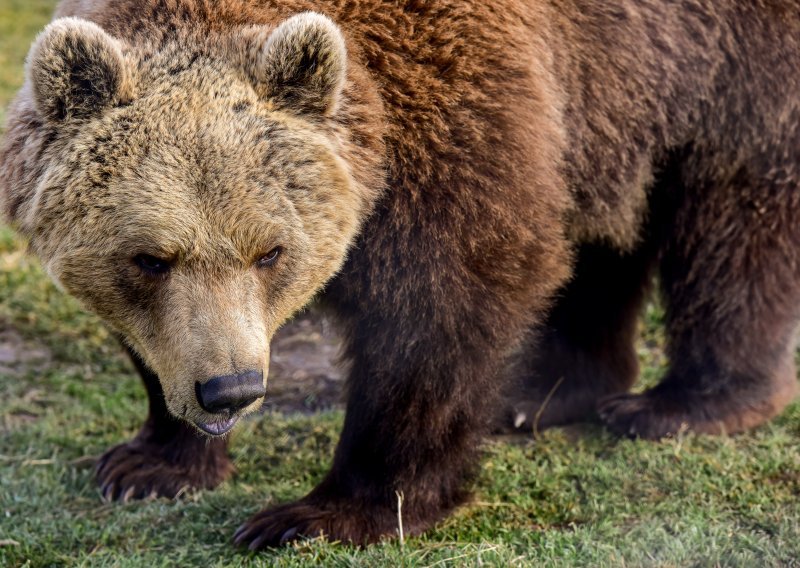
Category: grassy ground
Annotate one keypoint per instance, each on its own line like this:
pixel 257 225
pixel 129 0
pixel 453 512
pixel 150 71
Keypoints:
pixel 572 497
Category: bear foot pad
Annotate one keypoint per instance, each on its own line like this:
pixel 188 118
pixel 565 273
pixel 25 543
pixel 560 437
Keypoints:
pixel 283 524
pixel 138 470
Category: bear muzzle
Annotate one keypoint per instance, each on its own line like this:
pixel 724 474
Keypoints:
pixel 226 395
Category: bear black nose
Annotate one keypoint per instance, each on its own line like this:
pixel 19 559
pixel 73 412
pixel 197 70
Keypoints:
pixel 230 392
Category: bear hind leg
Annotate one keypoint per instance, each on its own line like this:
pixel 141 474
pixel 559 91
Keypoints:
pixel 731 278
pixel 586 349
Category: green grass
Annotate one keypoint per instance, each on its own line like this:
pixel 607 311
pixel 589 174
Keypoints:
pixel 573 497
pixel 20 20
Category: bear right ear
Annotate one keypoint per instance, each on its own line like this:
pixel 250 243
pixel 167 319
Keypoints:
pixel 77 70
pixel 301 65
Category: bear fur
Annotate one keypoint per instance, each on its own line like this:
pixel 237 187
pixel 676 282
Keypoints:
pixel 481 192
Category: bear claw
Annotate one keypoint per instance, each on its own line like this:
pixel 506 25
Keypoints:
pixel 283 524
pixel 635 416
pixel 653 417
pixel 268 528
pixel 145 471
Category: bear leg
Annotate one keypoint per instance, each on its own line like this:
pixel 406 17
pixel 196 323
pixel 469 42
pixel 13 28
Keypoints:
pixel 431 312
pixel 730 273
pixel 166 458
pixel 586 349
pixel 417 408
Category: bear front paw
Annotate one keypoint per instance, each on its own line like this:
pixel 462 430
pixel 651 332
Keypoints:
pixel 280 525
pixel 138 470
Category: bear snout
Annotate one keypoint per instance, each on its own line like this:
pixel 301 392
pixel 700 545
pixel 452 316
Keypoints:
pixel 230 393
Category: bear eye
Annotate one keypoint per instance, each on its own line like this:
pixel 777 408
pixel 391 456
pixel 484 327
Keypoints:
pixel 270 258
pixel 152 265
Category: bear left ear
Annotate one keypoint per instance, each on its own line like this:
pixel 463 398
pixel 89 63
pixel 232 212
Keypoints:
pixel 77 70
pixel 302 65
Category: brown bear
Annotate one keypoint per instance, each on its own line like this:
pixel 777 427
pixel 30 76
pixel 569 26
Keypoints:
pixel 465 184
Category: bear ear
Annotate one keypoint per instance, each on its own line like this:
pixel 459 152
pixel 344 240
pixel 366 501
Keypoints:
pixel 77 70
pixel 301 66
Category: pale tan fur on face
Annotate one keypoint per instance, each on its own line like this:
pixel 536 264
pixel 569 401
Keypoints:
pixel 206 168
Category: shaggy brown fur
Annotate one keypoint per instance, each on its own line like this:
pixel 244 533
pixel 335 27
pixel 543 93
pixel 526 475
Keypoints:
pixel 476 156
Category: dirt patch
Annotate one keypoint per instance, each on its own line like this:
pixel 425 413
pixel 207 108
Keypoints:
pixel 18 355
pixel 303 373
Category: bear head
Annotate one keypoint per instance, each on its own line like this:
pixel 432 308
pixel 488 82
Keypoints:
pixel 194 192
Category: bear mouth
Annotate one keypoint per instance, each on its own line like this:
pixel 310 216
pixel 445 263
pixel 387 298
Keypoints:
pixel 218 428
